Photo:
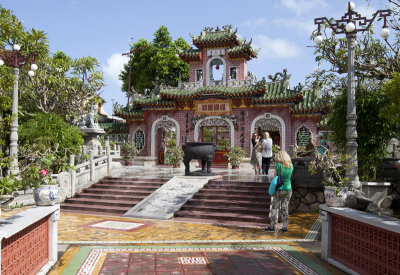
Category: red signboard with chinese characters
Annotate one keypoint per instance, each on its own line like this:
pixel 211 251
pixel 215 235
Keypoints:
pixel 213 107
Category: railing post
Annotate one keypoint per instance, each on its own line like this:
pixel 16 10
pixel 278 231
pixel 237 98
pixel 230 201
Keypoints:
pixel 118 150
pixel 92 167
pixel 109 161
pixel 72 172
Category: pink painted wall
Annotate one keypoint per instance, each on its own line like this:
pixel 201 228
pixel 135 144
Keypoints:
pixel 292 124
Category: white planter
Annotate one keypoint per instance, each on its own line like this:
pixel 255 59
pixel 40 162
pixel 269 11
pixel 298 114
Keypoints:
pixel 335 200
pixel 46 195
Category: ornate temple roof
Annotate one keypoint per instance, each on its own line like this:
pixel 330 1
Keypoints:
pixel 278 92
pixel 191 55
pixel 129 113
pixel 311 104
pixel 224 91
pixel 210 38
pixel 242 51
pixel 302 101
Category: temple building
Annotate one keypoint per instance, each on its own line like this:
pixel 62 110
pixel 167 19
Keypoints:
pixel 221 102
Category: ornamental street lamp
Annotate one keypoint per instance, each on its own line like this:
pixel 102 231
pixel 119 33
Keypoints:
pixel 351 23
pixel 15 59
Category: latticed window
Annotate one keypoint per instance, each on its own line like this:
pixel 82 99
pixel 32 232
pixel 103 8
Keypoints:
pixel 303 136
pixel 139 139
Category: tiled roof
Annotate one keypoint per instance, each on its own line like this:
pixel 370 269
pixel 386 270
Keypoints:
pixel 242 51
pixel 191 55
pixel 278 92
pixel 229 92
pixel 129 113
pixel 216 38
pixel 153 102
pixel 114 126
pixel 311 104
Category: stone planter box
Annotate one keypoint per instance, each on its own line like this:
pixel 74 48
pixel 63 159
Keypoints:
pixel 28 241
pixel 358 242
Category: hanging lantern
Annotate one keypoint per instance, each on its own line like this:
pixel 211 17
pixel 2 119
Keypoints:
pixel 217 67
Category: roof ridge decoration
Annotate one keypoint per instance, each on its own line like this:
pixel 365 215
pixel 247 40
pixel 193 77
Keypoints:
pixel 209 38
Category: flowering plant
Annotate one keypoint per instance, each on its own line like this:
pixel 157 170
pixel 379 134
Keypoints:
pixel 235 155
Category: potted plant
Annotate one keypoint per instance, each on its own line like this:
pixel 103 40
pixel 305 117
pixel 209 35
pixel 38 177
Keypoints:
pixel 173 154
pixel 129 152
pixel 37 175
pixel 235 156
pixel 333 167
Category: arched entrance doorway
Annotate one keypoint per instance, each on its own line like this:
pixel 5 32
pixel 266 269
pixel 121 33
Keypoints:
pixel 218 130
pixel 159 131
pixel 275 127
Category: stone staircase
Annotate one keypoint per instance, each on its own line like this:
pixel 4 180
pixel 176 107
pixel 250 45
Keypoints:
pixel 244 203
pixel 112 196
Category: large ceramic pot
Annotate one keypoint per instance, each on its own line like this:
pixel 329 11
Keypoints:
pixel 46 195
pixel 335 198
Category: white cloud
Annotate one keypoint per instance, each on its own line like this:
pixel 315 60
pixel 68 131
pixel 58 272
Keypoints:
pixel 303 6
pixel 114 66
pixel 305 25
pixel 275 48
pixel 253 23
pixel 365 11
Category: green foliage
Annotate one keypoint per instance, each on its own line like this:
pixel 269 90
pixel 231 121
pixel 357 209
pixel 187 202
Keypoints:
pixel 391 90
pixel 129 151
pixel 8 185
pixel 61 79
pixel 374 132
pixel 155 63
pixel 235 155
pixel 47 134
pixel 44 130
pixel 173 153
pixel 223 144
pixel 38 171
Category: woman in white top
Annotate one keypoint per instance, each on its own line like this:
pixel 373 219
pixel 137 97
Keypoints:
pixel 266 153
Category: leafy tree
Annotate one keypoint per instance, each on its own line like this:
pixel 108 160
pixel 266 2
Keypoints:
pixel 375 58
pixel 391 90
pixel 374 132
pixel 376 61
pixel 62 79
pixel 48 134
pixel 154 63
pixel 58 80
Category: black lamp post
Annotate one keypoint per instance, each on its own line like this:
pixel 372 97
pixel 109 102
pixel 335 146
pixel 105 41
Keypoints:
pixel 15 59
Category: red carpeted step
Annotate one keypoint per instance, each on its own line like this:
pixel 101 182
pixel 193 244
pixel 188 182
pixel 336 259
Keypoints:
pixel 231 202
pixel 95 208
pixel 92 201
pixel 223 216
pixel 224 203
pixel 114 196
pixel 226 209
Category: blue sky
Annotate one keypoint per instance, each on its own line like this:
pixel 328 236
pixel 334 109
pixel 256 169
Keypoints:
pixel 102 29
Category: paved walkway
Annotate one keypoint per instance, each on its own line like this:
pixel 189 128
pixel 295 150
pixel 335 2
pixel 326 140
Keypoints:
pixel 122 245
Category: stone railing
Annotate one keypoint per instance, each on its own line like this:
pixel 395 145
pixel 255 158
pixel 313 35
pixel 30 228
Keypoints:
pixel 86 169
pixel 29 241
pixel 235 82
pixel 358 242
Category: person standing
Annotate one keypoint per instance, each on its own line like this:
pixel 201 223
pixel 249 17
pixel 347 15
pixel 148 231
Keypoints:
pixel 283 194
pixel 256 153
pixel 266 153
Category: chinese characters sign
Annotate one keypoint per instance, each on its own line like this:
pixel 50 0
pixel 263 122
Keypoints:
pixel 213 107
